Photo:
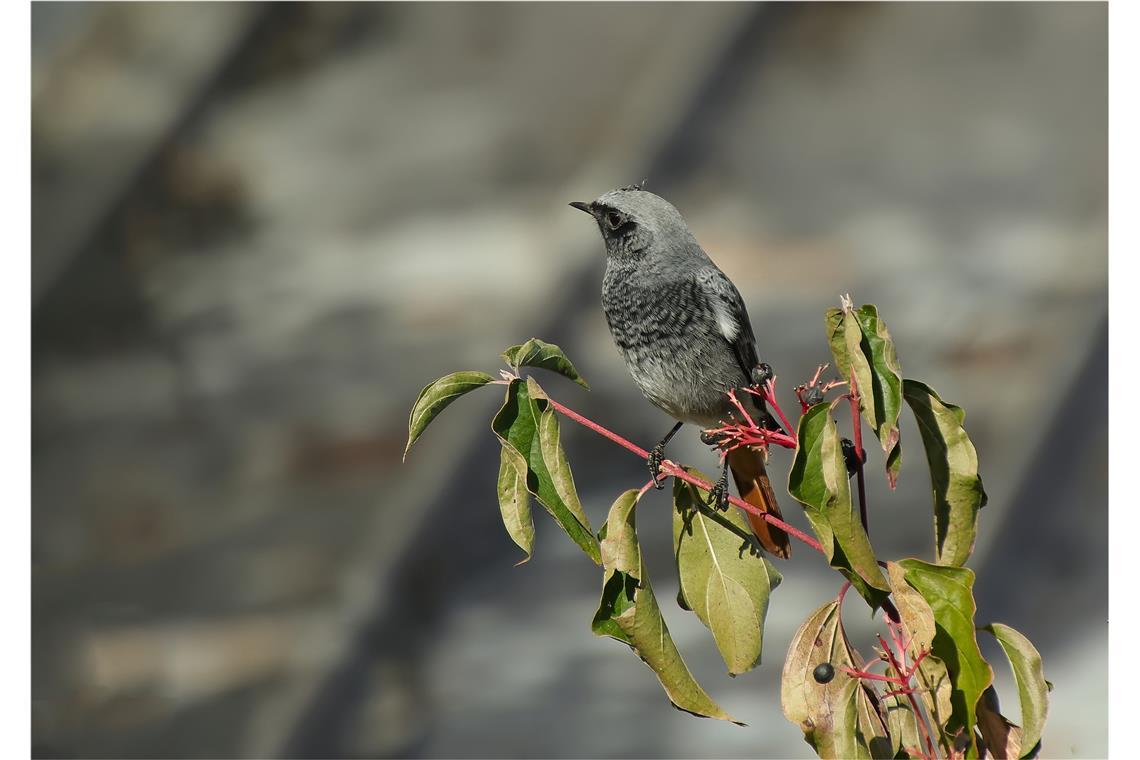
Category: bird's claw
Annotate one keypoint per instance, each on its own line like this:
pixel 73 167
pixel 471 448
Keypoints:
pixel 656 458
pixel 718 496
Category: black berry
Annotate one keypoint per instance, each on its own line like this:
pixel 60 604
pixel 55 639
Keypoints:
pixel 823 672
pixel 762 373
pixel 710 438
pixel 850 458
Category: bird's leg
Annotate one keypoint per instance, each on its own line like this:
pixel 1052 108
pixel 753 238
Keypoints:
pixel 718 496
pixel 657 456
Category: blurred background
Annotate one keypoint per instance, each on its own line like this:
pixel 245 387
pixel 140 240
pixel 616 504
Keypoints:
pixel 260 229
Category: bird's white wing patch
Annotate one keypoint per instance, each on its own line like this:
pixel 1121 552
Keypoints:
pixel 720 292
pixel 729 327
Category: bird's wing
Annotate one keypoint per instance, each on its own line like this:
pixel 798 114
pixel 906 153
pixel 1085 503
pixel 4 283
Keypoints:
pixel 731 317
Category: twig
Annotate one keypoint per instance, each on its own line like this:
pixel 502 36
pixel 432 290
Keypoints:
pixel 861 674
pixel 671 469
pixel 910 698
pixel 769 395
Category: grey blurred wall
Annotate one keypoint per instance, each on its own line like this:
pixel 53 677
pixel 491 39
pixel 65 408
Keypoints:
pixel 258 230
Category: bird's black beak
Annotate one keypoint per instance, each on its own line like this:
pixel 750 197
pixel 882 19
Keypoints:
pixel 582 207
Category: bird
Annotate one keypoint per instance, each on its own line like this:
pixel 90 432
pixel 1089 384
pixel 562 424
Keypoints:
pixel 683 330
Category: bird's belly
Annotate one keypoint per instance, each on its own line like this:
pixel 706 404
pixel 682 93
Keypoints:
pixel 680 384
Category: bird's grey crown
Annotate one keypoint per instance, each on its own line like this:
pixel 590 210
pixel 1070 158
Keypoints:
pixel 650 222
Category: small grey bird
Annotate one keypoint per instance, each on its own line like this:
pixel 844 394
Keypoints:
pixel 683 330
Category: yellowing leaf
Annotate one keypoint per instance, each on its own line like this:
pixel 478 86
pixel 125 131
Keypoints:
pixel 514 502
pixel 724 578
pixel 840 717
pixel 628 612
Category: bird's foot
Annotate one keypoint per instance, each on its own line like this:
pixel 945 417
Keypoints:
pixel 718 496
pixel 656 457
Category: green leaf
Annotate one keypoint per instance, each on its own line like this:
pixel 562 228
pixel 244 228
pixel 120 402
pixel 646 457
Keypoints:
pixel 538 353
pixel 550 446
pixel 628 612
pixel 514 503
pixel 840 718
pixel 1028 672
pixel 518 425
pixel 860 341
pixel 818 480
pixel 949 592
pixel 724 578
pixel 436 396
pixel 957 489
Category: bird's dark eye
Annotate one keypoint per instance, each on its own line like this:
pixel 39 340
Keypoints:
pixel 614 220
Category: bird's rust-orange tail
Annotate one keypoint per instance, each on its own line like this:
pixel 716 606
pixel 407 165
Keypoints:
pixel 751 478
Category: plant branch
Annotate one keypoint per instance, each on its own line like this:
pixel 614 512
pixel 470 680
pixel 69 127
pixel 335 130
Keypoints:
pixel 861 674
pixel 669 468
pixel 769 395
pixel 909 690
pixel 748 433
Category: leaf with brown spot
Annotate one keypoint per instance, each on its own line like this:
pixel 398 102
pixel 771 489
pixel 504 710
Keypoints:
pixel 840 718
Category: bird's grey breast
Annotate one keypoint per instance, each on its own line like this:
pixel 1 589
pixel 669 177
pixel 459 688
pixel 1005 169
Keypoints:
pixel 667 331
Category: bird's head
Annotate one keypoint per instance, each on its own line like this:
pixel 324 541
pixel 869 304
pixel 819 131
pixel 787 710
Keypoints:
pixel 632 220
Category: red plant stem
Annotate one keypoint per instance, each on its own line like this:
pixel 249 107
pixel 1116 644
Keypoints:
pixel 896 639
pixel 873 676
pixel 763 436
pixel 740 407
pixel 913 702
pixel 671 469
pixel 599 429
pixel 770 397
pixel 918 661
pixel 858 435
